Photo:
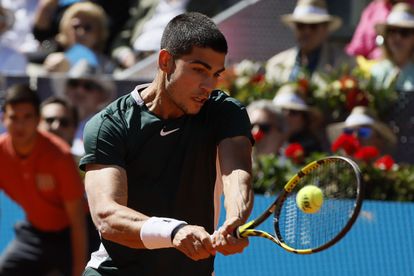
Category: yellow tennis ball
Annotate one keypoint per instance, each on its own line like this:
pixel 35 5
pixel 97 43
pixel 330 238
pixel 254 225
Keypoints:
pixel 309 199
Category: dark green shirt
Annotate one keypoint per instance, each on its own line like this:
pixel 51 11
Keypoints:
pixel 171 170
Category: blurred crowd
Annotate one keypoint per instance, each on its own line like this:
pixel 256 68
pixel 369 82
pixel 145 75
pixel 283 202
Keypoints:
pixel 88 40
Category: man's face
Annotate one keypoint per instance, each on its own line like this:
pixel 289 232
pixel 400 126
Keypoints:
pixel 20 121
pixel 56 118
pixel 268 137
pixel 192 78
pixel 85 95
pixel 83 30
pixel 311 36
pixel 400 41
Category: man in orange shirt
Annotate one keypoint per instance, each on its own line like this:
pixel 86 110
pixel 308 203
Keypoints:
pixel 38 172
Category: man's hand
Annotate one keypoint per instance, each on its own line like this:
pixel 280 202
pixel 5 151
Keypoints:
pixel 194 241
pixel 224 241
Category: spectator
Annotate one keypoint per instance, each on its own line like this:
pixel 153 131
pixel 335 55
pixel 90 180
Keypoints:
pixel 396 70
pixel 11 61
pixel 267 127
pixel 38 172
pixel 364 41
pixel 82 36
pixel 141 35
pixel 20 36
pixel 59 118
pixel 312 55
pixel 301 120
pixel 89 94
pixel 363 124
pixel 49 14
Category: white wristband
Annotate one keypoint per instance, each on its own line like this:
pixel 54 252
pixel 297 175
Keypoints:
pixel 156 232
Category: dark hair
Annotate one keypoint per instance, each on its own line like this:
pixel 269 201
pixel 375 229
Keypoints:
pixel 73 111
pixel 189 30
pixel 21 93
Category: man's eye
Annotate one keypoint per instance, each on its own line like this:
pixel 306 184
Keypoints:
pixel 199 70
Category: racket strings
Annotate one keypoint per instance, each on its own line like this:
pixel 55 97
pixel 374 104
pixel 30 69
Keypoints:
pixel 339 184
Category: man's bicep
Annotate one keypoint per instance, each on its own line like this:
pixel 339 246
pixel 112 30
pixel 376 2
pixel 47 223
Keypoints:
pixel 235 153
pixel 105 185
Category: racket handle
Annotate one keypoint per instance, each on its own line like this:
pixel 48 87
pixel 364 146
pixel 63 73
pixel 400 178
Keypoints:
pixel 241 229
pixel 236 233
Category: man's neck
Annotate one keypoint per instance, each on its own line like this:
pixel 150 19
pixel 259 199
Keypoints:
pixel 157 100
pixel 24 150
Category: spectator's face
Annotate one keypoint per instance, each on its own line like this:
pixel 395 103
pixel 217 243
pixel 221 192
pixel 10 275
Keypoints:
pixel 268 138
pixel 190 79
pixel 295 120
pixel 20 121
pixel 84 31
pixel 366 135
pixel 57 119
pixel 86 95
pixel 400 42
pixel 311 36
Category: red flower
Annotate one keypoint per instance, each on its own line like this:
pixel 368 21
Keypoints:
pixel 355 97
pixel 384 163
pixel 303 86
pixel 346 142
pixel 257 134
pixel 295 152
pixel 258 78
pixel 367 153
pixel 348 83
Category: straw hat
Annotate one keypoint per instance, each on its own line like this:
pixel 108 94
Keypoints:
pixel 287 98
pixel 362 116
pixel 401 16
pixel 311 12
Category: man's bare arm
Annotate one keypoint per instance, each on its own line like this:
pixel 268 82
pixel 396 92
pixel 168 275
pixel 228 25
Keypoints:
pixel 235 164
pixel 107 191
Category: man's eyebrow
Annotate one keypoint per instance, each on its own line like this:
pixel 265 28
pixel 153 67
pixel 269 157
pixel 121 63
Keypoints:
pixel 206 65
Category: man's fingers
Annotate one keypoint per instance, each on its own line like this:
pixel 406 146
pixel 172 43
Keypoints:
pixel 194 242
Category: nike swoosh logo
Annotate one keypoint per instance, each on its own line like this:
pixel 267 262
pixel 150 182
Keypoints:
pixel 165 133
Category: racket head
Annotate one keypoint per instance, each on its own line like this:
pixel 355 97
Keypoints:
pixel 339 179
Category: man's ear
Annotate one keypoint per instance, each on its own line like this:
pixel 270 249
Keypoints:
pixel 165 61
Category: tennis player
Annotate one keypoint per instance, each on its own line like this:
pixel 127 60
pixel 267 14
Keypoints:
pixel 151 162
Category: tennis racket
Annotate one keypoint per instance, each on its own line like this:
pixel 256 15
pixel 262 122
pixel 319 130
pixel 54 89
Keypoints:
pixel 297 231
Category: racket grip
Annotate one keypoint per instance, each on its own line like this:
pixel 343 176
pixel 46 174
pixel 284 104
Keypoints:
pixel 236 233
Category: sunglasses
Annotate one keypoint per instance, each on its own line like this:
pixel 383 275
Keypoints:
pixel 87 85
pixel 265 128
pixel 403 32
pixel 63 122
pixel 86 27
pixel 291 112
pixel 361 132
pixel 302 26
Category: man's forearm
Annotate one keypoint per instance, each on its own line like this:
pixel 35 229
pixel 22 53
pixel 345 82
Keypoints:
pixel 238 195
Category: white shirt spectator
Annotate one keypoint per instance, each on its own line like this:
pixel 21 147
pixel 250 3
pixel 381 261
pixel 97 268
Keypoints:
pixel 20 36
pixel 150 38
pixel 12 62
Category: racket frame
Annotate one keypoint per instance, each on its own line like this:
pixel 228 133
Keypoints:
pixel 248 229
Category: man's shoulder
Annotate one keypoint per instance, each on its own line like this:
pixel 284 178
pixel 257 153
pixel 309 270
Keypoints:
pixel 218 97
pixel 282 56
pixel 53 144
pixel 115 110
